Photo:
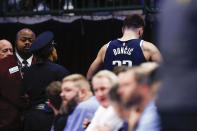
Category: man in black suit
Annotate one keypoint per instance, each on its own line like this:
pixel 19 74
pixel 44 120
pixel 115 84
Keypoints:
pixel 177 98
pixel 39 76
pixel 10 78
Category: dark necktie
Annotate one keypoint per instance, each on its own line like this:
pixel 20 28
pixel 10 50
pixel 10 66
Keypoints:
pixel 25 67
pixel 25 63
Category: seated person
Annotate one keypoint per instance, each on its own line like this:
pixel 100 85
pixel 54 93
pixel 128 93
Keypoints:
pixel 54 102
pixel 76 91
pixel 5 49
pixel 136 95
pixel 102 82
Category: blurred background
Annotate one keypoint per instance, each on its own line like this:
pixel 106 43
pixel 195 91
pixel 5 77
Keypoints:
pixel 81 27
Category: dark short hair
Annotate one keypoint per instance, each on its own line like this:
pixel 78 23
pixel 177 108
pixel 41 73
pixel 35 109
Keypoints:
pixel 53 91
pixel 118 69
pixel 133 21
pixel 113 94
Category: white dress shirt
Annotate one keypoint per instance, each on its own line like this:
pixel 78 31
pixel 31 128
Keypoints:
pixel 20 60
pixel 106 116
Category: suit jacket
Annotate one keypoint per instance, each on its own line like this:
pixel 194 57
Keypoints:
pixel 34 83
pixel 178 47
pixel 38 77
pixel 10 80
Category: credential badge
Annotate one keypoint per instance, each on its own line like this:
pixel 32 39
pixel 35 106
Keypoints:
pixel 13 69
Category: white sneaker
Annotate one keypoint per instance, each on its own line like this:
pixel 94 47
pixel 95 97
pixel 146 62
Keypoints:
pixel 41 7
pixel 69 6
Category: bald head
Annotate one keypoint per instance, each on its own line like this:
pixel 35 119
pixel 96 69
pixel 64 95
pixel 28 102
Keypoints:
pixel 5 48
pixel 25 31
pixel 24 39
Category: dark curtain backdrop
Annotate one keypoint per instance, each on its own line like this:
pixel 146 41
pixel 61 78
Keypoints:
pixel 77 42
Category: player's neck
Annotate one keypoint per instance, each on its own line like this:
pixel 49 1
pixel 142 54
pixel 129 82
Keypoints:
pixel 128 35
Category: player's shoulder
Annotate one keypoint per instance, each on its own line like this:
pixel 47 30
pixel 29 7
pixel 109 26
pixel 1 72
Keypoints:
pixel 105 46
pixel 103 51
pixel 147 45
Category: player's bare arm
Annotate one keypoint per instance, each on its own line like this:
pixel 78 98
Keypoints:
pixel 97 63
pixel 151 52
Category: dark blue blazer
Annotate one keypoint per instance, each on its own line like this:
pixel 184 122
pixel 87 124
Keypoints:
pixel 38 77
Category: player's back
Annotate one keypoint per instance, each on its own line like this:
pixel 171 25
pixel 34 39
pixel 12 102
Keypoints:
pixel 127 53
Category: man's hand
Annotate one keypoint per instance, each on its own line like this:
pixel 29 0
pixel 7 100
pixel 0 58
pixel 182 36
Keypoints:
pixel 86 122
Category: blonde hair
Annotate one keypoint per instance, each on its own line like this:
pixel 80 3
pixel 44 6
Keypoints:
pixel 79 80
pixel 107 74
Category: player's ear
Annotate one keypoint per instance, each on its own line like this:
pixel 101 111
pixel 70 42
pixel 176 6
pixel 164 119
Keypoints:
pixel 140 31
pixel 122 30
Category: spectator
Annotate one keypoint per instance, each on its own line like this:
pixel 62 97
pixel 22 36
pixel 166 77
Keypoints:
pixel 36 80
pixel 10 76
pixel 41 5
pixel 68 5
pixel 120 110
pixel 14 4
pixel 53 91
pixel 54 101
pixel 135 94
pixel 24 39
pixel 102 82
pixel 119 69
pixel 177 97
pixel 76 88
pixel 5 49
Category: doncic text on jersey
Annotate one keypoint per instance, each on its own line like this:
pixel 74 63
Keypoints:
pixel 122 50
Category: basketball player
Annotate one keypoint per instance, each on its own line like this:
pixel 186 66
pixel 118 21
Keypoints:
pixel 128 50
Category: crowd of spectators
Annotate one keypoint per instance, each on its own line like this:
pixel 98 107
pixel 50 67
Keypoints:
pixel 45 5
pixel 37 94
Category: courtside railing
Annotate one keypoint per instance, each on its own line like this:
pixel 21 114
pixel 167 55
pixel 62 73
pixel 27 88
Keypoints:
pixel 75 7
